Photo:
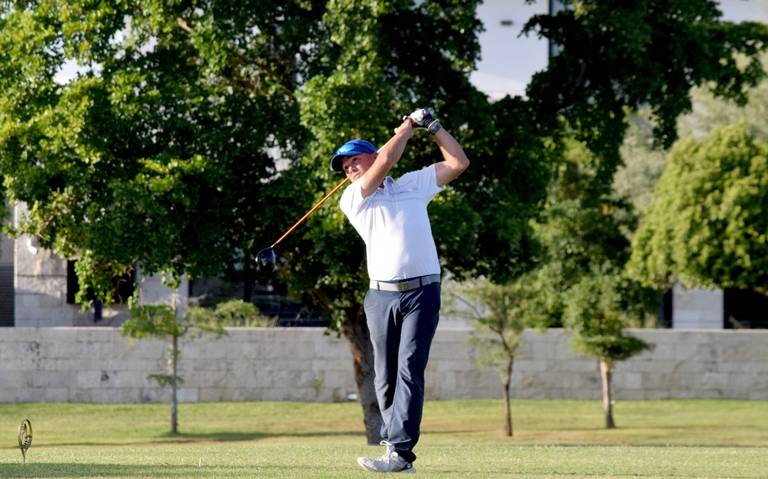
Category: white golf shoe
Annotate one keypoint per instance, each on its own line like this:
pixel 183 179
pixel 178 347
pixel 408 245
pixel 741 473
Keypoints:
pixel 389 462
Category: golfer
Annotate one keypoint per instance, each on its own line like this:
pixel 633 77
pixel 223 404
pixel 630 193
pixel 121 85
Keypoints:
pixel 403 301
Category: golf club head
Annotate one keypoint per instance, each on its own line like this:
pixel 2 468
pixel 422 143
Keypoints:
pixel 266 258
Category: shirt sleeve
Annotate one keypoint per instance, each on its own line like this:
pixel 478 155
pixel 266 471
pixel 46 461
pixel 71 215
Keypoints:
pixel 352 200
pixel 424 181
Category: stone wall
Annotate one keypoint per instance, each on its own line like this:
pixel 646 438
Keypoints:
pixel 99 365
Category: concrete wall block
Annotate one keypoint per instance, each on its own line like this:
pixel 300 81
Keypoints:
pixel 53 379
pixel 90 379
pixel 580 366
pixel 303 350
pixel 20 364
pixel 758 395
pixel 248 350
pixel 188 395
pixel 660 381
pixel 20 334
pixel 452 365
pixel 83 363
pixel 142 348
pixel 476 380
pixel 94 334
pixel 332 349
pixel 293 378
pixel 46 285
pixel 532 365
pixel 451 351
pixel 281 393
pixel 104 395
pixel 9 393
pixel 223 378
pixel 564 352
pixel 154 395
pixel 451 336
pixel 20 349
pixel 333 352
pixel 627 381
pixel 52 394
pixel 209 395
pixel 16 379
pixel 745 349
pixel 141 365
pixel 342 364
pixel 128 379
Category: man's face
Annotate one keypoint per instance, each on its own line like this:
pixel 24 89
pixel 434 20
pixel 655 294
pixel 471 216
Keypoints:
pixel 355 166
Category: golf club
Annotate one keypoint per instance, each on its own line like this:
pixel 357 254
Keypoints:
pixel 267 257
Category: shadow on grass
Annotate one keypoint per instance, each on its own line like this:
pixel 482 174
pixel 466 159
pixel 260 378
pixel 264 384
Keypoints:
pixel 63 469
pixel 207 437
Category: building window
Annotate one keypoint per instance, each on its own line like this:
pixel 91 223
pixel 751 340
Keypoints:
pixel 744 309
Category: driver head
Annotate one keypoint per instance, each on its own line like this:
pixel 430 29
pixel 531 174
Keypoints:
pixel 266 258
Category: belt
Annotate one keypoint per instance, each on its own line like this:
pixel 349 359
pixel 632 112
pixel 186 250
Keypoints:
pixel 406 284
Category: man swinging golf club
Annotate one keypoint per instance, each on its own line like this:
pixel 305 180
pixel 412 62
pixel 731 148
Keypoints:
pixel 403 301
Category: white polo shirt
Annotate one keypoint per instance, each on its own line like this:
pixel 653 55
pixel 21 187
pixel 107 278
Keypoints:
pixel 394 225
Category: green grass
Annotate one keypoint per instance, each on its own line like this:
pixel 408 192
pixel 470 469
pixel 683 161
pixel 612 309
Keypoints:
pixel 553 439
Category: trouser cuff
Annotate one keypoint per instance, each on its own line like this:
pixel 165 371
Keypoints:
pixel 407 455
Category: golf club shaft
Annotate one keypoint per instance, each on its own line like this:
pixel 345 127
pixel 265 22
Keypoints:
pixel 319 203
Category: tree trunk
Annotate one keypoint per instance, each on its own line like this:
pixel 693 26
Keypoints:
pixel 606 373
pixel 356 331
pixel 174 388
pixel 505 382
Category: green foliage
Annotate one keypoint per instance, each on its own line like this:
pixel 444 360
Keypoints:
pixel 165 380
pixel 379 74
pixel 152 320
pixel 497 313
pixel 161 152
pixel 162 321
pixel 707 226
pixel 643 163
pixel 238 313
pixel 597 309
pixel 710 113
pixel 581 228
pixel 645 53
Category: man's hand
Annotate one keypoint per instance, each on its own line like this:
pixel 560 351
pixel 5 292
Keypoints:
pixel 423 118
pixel 406 125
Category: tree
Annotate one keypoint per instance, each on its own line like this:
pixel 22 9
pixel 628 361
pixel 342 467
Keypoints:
pixel 159 154
pixel 171 323
pixel 707 226
pixel 578 283
pixel 161 321
pixel 648 53
pixel 597 309
pixel 498 313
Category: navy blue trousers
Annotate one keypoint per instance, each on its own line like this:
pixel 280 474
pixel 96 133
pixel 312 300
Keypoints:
pixel 402 326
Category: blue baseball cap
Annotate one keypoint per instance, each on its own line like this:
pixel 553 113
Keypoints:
pixel 351 148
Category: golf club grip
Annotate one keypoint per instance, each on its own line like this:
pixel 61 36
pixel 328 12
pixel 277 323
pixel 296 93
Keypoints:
pixel 319 203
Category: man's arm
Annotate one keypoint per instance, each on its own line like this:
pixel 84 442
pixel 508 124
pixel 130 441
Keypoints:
pixel 455 160
pixel 388 156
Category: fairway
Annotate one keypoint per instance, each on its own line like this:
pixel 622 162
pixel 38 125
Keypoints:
pixel 553 439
